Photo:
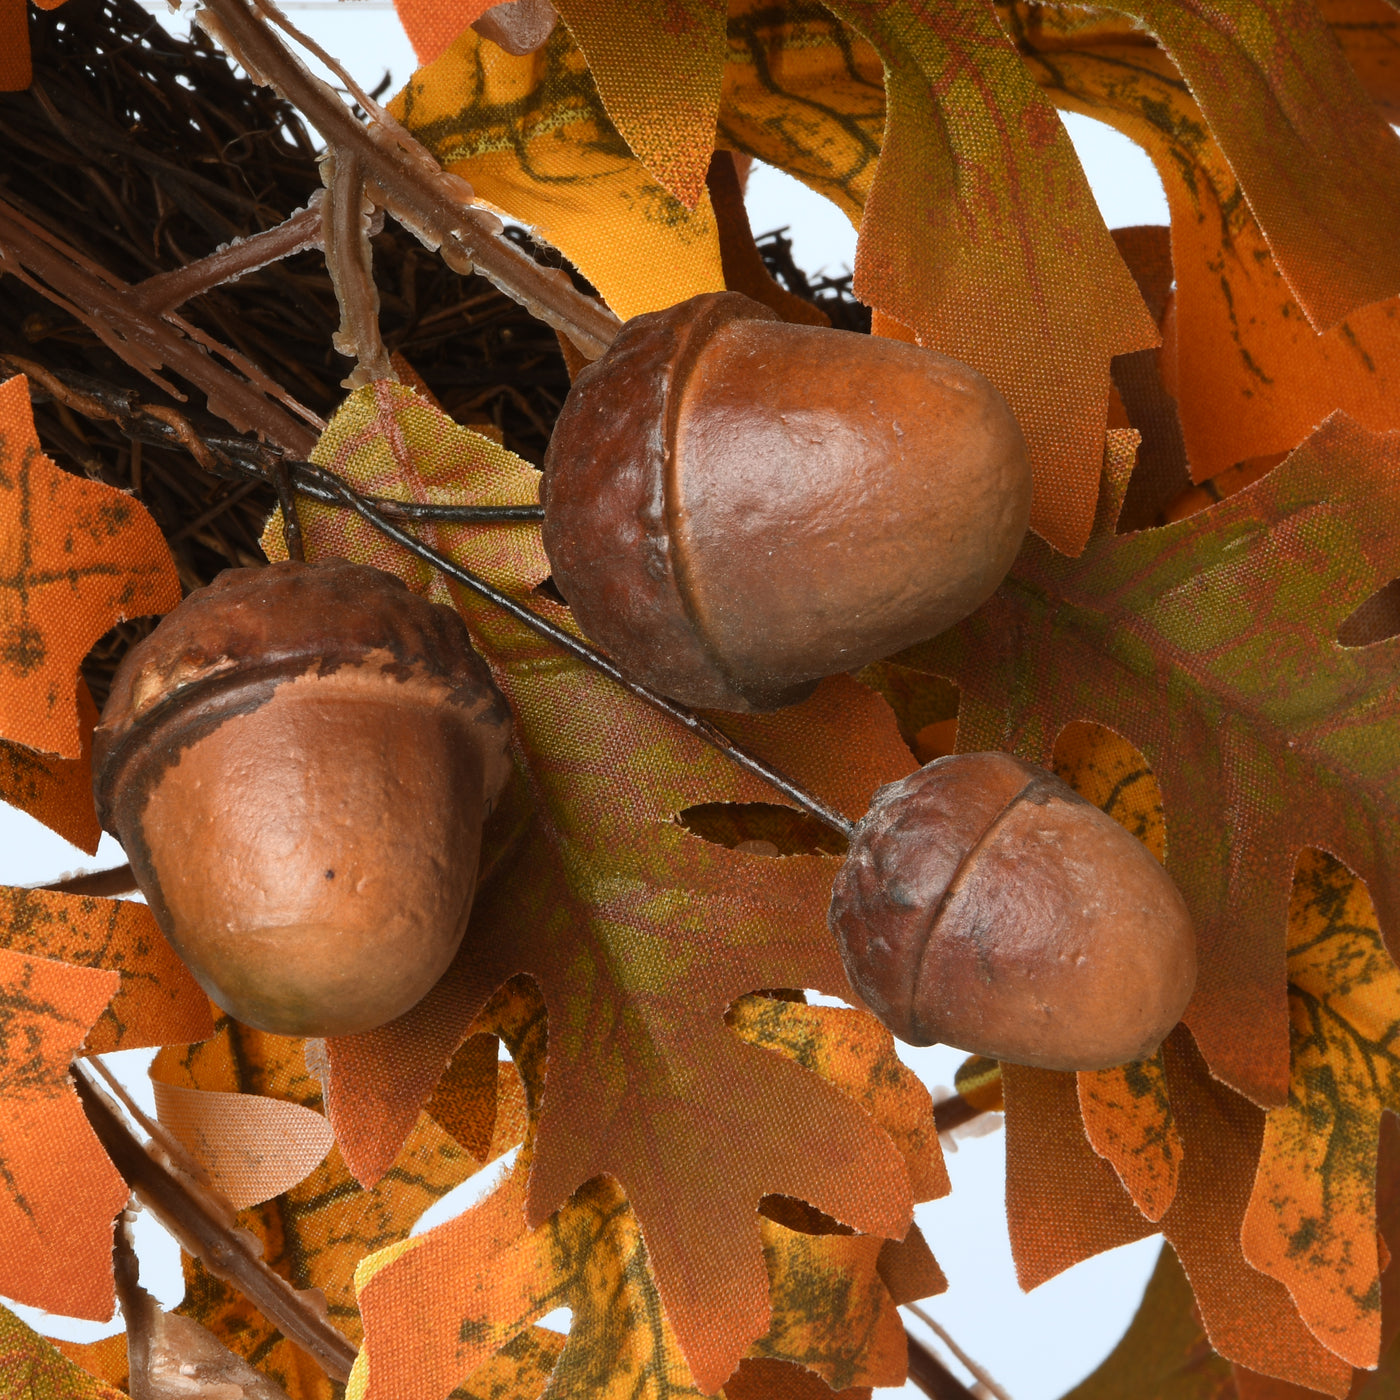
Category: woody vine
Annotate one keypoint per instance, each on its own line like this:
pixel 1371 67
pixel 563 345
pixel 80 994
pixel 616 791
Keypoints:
pixel 714 1175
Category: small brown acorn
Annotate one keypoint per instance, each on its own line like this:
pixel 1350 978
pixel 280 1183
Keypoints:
pixel 298 762
pixel 985 904
pixel 736 506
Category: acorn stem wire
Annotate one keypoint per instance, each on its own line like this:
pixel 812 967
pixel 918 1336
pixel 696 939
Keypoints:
pixel 575 646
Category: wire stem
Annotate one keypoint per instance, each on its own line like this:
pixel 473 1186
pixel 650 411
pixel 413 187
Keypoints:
pixel 700 727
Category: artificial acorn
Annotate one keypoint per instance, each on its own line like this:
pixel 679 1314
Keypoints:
pixel 736 506
pixel 985 904
pixel 298 761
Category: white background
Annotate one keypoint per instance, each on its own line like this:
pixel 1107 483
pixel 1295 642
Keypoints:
pixel 1035 1345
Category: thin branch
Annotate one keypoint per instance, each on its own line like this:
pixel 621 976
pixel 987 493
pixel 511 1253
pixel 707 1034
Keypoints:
pixel 101 884
pixel 291 521
pixel 405 180
pixel 206 1227
pixel 147 342
pixel 350 262
pixel 931 1375
pixel 941 1332
pixel 324 485
pixel 956 1111
pixel 296 233
pixel 170 1357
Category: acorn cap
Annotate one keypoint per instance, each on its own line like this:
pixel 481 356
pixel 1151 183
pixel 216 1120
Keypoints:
pixel 229 645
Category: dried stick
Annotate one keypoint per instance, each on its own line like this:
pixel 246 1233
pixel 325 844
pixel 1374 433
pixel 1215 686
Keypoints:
pixel 106 306
pixel 349 260
pixel 206 1227
pixel 405 180
pixel 100 884
pixel 220 456
pixel 296 233
pixel 984 1379
pixel 931 1375
pixel 169 1355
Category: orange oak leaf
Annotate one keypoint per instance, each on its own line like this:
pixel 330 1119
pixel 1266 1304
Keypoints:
pixel 981 235
pixel 32 1367
pixel 58 1192
pixel 1065 1203
pixel 639 933
pixel 486 1275
pixel 1127 1110
pixel 1250 374
pixel 659 66
pixel 1312 1216
pixel 158 1002
pixel 253 1147
pixel 56 791
pixel 76 558
pixel 1318 163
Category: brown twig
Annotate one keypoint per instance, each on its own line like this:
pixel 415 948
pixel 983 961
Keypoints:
pixel 931 1375
pixel 349 260
pixel 170 1356
pixel 955 1111
pixel 404 180
pixel 100 884
pixel 207 1228
pixel 577 647
pixel 979 1372
pixel 168 290
pixel 105 304
pixel 291 522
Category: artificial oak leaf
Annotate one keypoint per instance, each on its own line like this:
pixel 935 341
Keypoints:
pixel 104 1359
pixel 486 1275
pixel 639 934
pixel 804 93
pixel 32 1368
pixel 432 25
pixel 316 1232
pixel 76 558
pixel 158 1002
pixel 532 137
pixel 56 791
pixel 1064 1203
pixel 1126 1109
pixel 981 235
pixel 1211 645
pixel 1317 162
pixel 58 1192
pixel 1128 1120
pixel 759 1378
pixel 16 69
pixel 1312 1217
pixel 1249 373
pixel 659 65
pixel 1164 1354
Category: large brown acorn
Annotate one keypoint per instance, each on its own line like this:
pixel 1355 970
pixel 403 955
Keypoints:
pixel 736 506
pixel 298 762
pixel 985 904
